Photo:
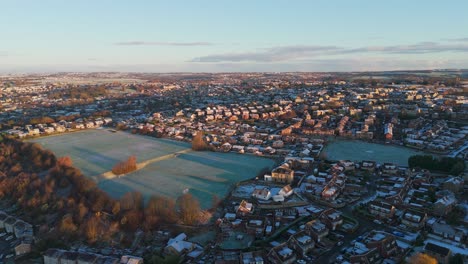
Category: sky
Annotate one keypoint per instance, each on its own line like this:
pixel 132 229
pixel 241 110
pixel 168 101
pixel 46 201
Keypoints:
pixel 232 36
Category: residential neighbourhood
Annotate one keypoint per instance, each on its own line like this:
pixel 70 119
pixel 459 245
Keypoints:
pixel 309 207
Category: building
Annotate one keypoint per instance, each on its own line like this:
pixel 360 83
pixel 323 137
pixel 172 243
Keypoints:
pixel 52 256
pixel 255 257
pixel 282 173
pixel 360 254
pixel 385 243
pixel 256 226
pixel 381 209
pixel 262 194
pixel 442 254
pixel 316 229
pixel 448 232
pixel 301 243
pixel 454 184
pixel 127 259
pixel 414 219
pixel 444 205
pixel 286 191
pixel 331 218
pixel 179 246
pixel 281 254
pixel 244 208
pixel 23 247
pixel 86 258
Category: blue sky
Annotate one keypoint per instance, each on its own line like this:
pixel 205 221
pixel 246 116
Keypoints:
pixel 169 36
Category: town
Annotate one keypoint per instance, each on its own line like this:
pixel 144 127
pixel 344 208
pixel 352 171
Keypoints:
pixel 323 201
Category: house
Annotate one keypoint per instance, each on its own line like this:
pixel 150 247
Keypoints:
pixel 262 194
pixel 52 256
pixel 286 191
pixel 22 229
pixel 127 259
pixel 9 224
pixel 331 218
pixel 454 184
pixel 384 242
pixel 316 229
pixel 255 257
pixel 361 254
pixel 414 219
pixel 330 192
pixel 445 204
pixel 178 246
pixel 23 247
pixel 283 173
pixel 86 258
pixel 244 208
pixel 281 254
pixel 106 260
pixel 256 226
pixel 368 165
pixel 301 243
pixel 448 232
pixel 69 257
pixel 381 209
pixel 442 254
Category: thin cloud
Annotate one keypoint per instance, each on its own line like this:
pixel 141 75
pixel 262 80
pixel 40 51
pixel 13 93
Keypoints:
pixel 159 43
pixel 419 48
pixel 270 55
pixel 457 39
pixel 304 52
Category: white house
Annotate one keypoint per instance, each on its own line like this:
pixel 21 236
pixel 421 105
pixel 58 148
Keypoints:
pixel 262 194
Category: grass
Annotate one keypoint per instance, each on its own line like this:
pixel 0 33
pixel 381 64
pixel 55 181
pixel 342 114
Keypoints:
pixel 204 174
pixel 360 150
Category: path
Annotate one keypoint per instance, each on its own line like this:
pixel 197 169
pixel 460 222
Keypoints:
pixel 110 175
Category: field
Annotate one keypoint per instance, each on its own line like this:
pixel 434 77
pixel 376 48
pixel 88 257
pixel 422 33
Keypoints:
pixel 204 174
pixel 359 150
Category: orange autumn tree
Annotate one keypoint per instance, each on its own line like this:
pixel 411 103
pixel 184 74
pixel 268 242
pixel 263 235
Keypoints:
pixel 126 166
pixel 422 258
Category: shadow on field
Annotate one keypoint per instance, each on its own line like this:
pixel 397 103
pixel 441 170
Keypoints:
pixel 98 156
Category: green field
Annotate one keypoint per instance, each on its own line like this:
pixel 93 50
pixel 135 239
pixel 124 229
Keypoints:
pixel 204 174
pixel 356 150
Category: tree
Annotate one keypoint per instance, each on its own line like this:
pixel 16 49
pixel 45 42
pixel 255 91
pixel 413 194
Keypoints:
pixel 160 209
pixel 198 143
pixel 189 209
pixel 422 258
pixel 92 229
pixel 126 166
pixel 215 202
pixel 65 161
pixel 67 225
pixel 456 259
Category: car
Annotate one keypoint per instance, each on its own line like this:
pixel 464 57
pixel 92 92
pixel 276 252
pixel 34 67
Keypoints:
pixel 9 238
pixel 340 243
pixel 377 222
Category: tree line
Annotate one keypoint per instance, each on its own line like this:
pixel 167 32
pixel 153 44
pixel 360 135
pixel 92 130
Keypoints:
pixel 56 196
pixel 454 166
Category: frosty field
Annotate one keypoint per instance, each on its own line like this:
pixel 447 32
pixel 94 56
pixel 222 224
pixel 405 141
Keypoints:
pixel 204 174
